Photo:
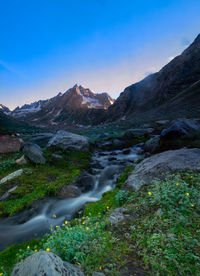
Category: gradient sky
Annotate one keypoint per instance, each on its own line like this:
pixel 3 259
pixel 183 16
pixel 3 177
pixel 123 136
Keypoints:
pixel 46 46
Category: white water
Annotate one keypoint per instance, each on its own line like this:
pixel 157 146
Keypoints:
pixel 105 168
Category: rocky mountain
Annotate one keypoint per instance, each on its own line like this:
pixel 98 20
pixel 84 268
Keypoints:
pixel 175 88
pixel 78 105
pixel 4 109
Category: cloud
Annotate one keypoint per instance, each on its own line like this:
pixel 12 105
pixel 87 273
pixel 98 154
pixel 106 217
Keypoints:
pixel 10 68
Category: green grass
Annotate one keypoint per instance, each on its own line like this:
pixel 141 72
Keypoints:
pixel 40 181
pixel 161 238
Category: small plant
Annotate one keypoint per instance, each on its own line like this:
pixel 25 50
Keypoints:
pixel 121 197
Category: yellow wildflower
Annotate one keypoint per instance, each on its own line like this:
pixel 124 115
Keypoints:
pixel 28 246
pixel 66 222
pixel 191 176
pixel 192 205
pixel 100 268
pixel 177 184
pixel 187 194
pixel 57 226
pixel 87 228
pixel 54 216
pixel 35 250
pixel 149 193
pixel 107 207
pixel 48 249
pixel 83 222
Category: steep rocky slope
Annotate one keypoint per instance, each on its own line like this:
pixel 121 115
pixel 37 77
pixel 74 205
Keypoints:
pixel 176 84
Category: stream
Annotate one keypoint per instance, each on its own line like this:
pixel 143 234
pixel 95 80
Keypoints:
pixel 105 168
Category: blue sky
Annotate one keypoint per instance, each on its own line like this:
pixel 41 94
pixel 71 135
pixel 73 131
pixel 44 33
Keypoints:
pixel 46 46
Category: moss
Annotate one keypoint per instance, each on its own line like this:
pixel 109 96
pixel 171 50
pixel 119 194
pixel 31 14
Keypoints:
pixel 42 180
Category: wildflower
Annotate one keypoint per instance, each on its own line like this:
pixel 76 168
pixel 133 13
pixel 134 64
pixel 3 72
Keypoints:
pixel 97 223
pixel 48 249
pixel 28 247
pixel 54 216
pixel 83 222
pixel 191 176
pixel 57 226
pixel 87 228
pixel 66 222
pixel 192 205
pixel 1 274
pixel 187 194
pixel 35 250
pixel 107 207
pixel 177 184
pixel 100 268
pixel 149 193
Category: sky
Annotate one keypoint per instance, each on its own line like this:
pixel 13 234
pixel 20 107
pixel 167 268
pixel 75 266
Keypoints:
pixel 47 46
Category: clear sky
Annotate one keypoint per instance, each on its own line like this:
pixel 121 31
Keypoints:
pixel 46 46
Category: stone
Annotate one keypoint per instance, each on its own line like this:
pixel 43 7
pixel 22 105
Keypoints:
pixel 69 191
pixel 68 141
pixel 160 165
pixel 162 122
pixel 34 153
pixel 119 214
pixel 41 139
pixel 6 195
pixel 10 144
pixel 21 161
pixel 11 176
pixel 85 183
pixel 137 132
pixel 152 144
pixel 56 157
pixel 181 127
pixel 45 264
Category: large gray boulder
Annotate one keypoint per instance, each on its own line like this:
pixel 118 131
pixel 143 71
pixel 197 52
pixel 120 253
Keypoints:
pixel 69 191
pixel 41 139
pixel 181 127
pixel 152 144
pixel 65 140
pixel 45 264
pixel 10 144
pixel 34 153
pixel 160 165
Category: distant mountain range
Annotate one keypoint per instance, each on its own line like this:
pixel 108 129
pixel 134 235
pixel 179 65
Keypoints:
pixel 78 105
pixel 174 91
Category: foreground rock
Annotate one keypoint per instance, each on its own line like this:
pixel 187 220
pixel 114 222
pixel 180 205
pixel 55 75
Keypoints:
pixel 6 195
pixel 160 165
pixel 41 139
pixel 11 176
pixel 181 127
pixel 69 191
pixel 69 141
pixel 21 161
pixel 34 153
pixel 9 144
pixel 45 264
pixel 119 214
pixel 152 144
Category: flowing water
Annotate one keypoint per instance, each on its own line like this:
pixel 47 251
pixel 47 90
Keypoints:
pixel 104 170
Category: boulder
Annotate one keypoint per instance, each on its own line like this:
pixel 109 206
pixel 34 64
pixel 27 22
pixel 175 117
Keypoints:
pixel 118 215
pixel 69 141
pixel 69 191
pixel 11 176
pixel 162 122
pixel 6 195
pixel 137 132
pixel 34 153
pixel 45 263
pixel 41 139
pixel 85 183
pixel 152 144
pixel 181 127
pixel 160 165
pixel 10 144
pixel 21 161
